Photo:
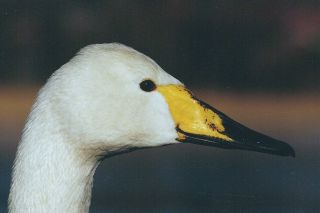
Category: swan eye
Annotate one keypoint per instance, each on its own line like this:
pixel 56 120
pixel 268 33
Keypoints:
pixel 148 85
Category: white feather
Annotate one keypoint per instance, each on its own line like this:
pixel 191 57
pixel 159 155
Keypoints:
pixel 90 106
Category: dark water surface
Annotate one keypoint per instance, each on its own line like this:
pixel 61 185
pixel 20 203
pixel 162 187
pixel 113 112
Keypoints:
pixel 191 178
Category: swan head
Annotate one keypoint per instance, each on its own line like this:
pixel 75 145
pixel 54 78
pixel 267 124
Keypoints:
pixel 110 97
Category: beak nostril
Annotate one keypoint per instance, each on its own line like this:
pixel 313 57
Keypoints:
pixel 212 126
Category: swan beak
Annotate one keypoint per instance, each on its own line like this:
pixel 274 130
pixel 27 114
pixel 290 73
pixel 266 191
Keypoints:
pixel 198 123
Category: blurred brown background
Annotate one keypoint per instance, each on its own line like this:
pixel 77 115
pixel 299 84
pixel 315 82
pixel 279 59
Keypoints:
pixel 258 61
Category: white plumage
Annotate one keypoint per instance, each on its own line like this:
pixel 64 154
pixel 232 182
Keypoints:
pixel 90 106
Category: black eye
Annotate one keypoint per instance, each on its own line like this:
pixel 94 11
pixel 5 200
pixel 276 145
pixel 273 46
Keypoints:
pixel 148 85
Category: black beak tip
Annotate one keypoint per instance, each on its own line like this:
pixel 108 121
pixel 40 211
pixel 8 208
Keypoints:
pixel 279 148
pixel 290 152
pixel 284 149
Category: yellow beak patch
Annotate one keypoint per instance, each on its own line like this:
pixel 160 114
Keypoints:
pixel 190 116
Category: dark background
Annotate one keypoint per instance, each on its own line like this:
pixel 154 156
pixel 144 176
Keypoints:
pixel 258 61
pixel 231 44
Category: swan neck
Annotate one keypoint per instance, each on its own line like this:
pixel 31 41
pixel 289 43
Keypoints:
pixel 50 174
